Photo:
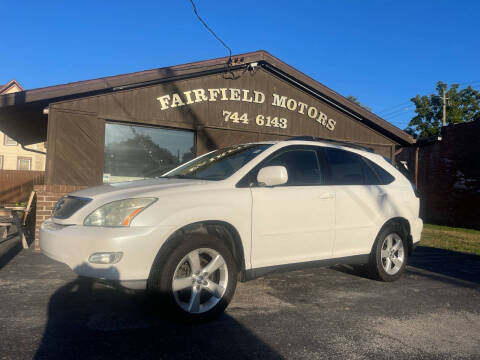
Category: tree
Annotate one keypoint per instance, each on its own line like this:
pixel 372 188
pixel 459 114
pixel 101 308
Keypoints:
pixel 462 106
pixel 355 100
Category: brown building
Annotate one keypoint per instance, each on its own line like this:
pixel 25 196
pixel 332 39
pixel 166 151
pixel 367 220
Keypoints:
pixel 142 124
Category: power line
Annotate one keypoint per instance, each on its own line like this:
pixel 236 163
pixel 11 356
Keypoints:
pixel 394 112
pixel 402 110
pixel 394 116
pixel 468 82
pixel 213 33
pixel 393 107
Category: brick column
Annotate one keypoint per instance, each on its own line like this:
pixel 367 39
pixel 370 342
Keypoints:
pixel 47 197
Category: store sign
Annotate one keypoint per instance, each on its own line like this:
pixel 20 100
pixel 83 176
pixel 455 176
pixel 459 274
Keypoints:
pixel 195 96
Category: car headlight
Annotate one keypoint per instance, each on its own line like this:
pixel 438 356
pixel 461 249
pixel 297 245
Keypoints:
pixel 118 213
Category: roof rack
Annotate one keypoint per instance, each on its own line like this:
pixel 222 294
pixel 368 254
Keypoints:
pixel 342 143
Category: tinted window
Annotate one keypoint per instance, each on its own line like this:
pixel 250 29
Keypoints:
pixel 348 168
pixel 302 166
pixel 383 175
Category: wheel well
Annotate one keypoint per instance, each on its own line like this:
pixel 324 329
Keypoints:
pixel 220 229
pixel 405 226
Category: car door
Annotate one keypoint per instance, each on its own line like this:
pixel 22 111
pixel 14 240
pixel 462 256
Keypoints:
pixel 358 195
pixel 293 222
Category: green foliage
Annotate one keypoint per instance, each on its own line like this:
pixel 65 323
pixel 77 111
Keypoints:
pixel 355 100
pixel 462 106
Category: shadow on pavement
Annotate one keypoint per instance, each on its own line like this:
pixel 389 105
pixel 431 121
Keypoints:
pixel 446 265
pixel 453 264
pixel 89 320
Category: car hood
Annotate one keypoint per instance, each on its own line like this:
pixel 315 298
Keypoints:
pixel 129 188
pixel 102 194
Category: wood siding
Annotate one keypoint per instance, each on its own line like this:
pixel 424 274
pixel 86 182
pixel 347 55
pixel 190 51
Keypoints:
pixel 16 185
pixel 75 154
pixel 77 127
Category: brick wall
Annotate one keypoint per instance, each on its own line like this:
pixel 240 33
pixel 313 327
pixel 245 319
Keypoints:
pixel 449 176
pixel 47 196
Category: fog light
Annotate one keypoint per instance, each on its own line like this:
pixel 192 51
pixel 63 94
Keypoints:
pixel 105 258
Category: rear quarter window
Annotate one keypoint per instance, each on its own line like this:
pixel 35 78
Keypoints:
pixel 348 168
pixel 383 175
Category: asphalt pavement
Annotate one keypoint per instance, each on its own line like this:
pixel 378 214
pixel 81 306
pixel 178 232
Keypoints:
pixel 433 312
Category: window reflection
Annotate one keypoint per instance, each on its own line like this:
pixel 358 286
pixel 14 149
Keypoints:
pixel 138 152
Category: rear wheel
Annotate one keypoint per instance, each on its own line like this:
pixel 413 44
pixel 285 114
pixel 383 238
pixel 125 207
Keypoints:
pixel 389 255
pixel 197 279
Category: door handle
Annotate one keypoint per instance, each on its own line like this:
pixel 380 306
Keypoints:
pixel 327 195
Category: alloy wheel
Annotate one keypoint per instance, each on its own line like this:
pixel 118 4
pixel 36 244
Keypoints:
pixel 200 280
pixel 392 254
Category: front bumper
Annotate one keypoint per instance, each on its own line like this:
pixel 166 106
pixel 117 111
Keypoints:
pixel 73 245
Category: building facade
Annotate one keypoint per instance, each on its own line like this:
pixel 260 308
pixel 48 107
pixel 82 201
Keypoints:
pixel 142 124
pixel 12 156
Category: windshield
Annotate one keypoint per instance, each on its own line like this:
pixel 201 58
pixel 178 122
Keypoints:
pixel 218 165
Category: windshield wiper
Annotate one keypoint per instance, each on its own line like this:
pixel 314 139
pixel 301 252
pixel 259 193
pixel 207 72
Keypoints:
pixel 178 176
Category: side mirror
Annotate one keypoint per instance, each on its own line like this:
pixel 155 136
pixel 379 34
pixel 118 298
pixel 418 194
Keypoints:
pixel 272 175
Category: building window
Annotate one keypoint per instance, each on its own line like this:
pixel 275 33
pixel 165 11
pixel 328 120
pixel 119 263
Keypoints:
pixel 136 152
pixel 24 163
pixel 1 162
pixel 9 141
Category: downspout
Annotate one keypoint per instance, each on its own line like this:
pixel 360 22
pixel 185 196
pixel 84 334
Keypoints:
pixel 34 151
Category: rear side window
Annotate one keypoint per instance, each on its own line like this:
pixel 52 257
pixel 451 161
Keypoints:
pixel 384 176
pixel 347 168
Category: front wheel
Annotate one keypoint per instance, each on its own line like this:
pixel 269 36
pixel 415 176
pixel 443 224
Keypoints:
pixel 389 254
pixel 198 277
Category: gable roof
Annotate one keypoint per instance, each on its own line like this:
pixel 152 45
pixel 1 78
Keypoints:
pixel 4 89
pixel 31 103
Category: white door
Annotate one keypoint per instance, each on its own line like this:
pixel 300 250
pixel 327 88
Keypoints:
pixel 358 198
pixel 293 222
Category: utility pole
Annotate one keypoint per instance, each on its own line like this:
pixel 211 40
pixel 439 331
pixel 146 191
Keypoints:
pixel 444 115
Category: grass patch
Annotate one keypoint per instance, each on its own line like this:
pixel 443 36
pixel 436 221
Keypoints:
pixel 450 238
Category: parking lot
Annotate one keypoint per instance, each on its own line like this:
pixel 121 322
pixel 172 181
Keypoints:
pixel 433 312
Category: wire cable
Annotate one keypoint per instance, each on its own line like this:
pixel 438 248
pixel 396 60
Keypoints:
pixel 403 110
pixel 212 32
pixel 386 110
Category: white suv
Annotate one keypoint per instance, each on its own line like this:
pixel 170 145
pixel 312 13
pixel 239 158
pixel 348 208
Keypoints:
pixel 239 212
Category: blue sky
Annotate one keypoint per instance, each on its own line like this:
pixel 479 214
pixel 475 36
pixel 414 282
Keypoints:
pixel 383 52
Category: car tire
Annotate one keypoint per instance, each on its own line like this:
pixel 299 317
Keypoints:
pixel 389 255
pixel 195 276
